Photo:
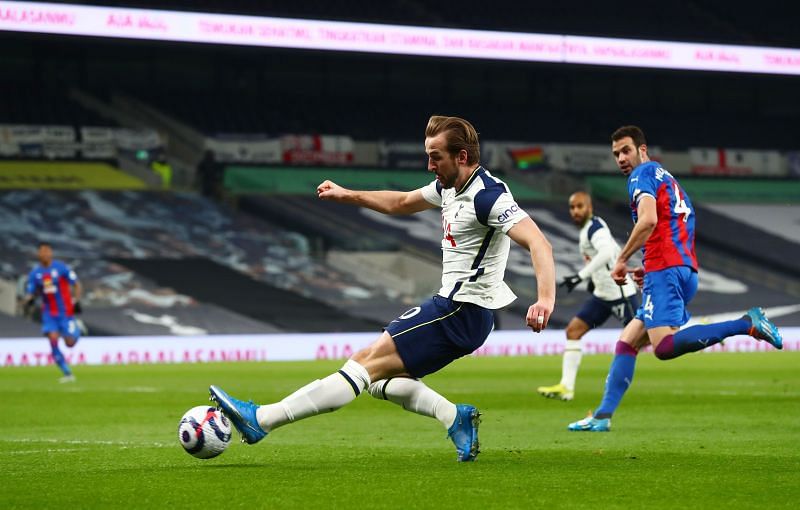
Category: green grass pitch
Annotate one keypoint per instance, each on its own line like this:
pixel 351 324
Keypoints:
pixel 702 431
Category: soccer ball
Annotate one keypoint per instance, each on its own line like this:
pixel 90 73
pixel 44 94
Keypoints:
pixel 204 432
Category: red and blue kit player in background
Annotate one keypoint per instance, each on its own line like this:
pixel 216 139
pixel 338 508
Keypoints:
pixel 664 229
pixel 59 290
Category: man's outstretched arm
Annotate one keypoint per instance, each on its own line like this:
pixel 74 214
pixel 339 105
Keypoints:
pixel 527 234
pixel 387 202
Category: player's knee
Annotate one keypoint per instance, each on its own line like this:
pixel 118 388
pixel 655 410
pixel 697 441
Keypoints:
pixel 664 352
pixel 624 348
pixel 70 341
pixel 574 332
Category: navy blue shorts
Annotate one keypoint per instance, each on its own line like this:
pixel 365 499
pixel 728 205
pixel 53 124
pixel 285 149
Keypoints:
pixel 596 311
pixel 438 332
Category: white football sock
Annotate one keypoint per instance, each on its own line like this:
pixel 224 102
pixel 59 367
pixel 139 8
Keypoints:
pixel 570 364
pixel 413 395
pixel 320 396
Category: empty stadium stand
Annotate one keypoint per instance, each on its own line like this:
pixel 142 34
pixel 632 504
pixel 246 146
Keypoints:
pixel 92 231
pixel 12 326
pixel 729 280
pixel 174 263
pixel 196 319
pixel 213 283
pixel 766 234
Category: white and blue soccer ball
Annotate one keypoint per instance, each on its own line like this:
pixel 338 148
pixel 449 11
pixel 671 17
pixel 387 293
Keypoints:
pixel 204 432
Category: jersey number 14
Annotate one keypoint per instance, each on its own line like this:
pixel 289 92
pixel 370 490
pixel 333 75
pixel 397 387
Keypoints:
pixel 448 236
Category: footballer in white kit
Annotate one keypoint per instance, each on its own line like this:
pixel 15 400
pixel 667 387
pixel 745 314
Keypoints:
pixel 479 216
pixel 599 250
pixel 475 249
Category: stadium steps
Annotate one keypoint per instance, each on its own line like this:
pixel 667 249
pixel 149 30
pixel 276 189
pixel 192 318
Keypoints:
pixel 339 224
pixel 748 242
pixel 303 215
pixel 12 326
pixel 330 222
pixel 210 282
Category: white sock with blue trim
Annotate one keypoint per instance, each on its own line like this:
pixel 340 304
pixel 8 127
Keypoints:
pixel 320 396
pixel 413 395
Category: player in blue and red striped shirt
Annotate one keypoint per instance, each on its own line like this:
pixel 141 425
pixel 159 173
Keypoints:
pixel 664 230
pixel 59 289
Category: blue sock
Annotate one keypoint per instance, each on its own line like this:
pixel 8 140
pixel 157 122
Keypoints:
pixel 698 338
pixel 620 376
pixel 59 359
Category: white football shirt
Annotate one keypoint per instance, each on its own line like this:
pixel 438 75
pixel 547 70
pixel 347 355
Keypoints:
pixel 475 248
pixel 600 251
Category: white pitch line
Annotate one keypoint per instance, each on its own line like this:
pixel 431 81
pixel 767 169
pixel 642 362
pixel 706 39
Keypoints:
pixel 121 444
pixel 139 389
pixel 49 450
pixel 133 389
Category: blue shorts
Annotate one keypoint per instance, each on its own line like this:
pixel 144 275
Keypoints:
pixel 665 295
pixel 64 326
pixel 596 311
pixel 438 332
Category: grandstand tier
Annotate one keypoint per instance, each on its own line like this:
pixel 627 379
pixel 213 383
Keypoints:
pixel 767 234
pixel 199 319
pixel 213 283
pixel 730 281
pixel 187 99
pixel 19 327
pixel 91 230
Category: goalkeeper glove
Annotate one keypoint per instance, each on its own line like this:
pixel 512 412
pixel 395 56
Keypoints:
pixel 570 282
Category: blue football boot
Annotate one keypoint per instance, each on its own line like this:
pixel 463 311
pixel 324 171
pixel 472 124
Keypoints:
pixel 591 424
pixel 762 328
pixel 464 432
pixel 241 414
